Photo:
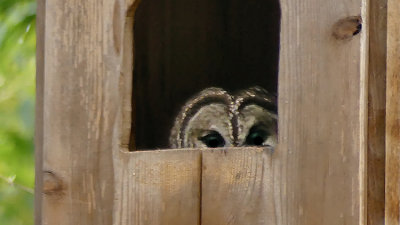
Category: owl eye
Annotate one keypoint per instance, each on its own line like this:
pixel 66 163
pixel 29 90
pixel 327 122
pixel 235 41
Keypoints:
pixel 213 140
pixel 256 136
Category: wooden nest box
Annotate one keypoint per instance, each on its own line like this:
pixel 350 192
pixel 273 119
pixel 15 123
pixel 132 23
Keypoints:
pixel 112 74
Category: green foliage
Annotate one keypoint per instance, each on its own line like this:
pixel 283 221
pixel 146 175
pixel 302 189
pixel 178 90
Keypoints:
pixel 17 96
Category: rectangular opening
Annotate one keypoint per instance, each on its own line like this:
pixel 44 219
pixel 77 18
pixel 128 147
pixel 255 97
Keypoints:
pixel 183 47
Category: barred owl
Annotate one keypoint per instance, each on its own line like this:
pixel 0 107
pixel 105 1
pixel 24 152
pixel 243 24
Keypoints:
pixel 215 118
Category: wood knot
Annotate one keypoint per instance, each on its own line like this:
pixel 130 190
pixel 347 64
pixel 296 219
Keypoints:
pixel 347 28
pixel 52 185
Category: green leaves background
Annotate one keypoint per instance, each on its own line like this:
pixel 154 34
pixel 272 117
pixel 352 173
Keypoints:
pixel 17 101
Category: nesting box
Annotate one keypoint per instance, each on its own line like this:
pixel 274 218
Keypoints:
pixel 112 74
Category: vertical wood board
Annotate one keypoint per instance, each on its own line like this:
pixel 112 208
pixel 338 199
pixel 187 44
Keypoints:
pixel 39 113
pixel 158 187
pixel 237 187
pixel 81 110
pixel 392 204
pixel 322 113
pixel 376 112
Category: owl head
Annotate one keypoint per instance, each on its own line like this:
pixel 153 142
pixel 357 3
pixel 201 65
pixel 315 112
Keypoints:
pixel 215 118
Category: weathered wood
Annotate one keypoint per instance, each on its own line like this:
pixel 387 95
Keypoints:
pixel 317 176
pixel 128 103
pixel 39 117
pixel 237 187
pixel 319 170
pixel 392 213
pixel 376 112
pixel 82 105
pixel 158 187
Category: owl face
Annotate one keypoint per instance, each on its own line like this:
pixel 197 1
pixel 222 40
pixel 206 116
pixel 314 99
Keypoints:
pixel 214 118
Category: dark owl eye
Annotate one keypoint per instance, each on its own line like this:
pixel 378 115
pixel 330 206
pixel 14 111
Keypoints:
pixel 256 136
pixel 213 140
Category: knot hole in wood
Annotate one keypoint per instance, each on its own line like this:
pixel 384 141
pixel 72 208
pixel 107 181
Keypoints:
pixel 52 184
pixel 347 28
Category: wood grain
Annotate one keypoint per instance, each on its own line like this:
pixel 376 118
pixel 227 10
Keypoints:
pixel 39 113
pixel 128 103
pixel 376 112
pixel 158 187
pixel 392 213
pixel 237 187
pixel 81 110
pixel 322 115
pixel 316 176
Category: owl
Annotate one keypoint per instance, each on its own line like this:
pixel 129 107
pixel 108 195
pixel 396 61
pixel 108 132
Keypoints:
pixel 215 118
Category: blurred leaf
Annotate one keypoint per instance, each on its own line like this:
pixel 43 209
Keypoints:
pixel 17 99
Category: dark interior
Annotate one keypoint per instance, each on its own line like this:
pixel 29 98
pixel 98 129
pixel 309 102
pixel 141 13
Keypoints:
pixel 182 47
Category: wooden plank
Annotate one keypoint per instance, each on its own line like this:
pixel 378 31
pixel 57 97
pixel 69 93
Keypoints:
pixel 392 213
pixel 81 111
pixel 320 172
pixel 237 187
pixel 40 46
pixel 376 112
pixel 128 102
pixel 158 187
